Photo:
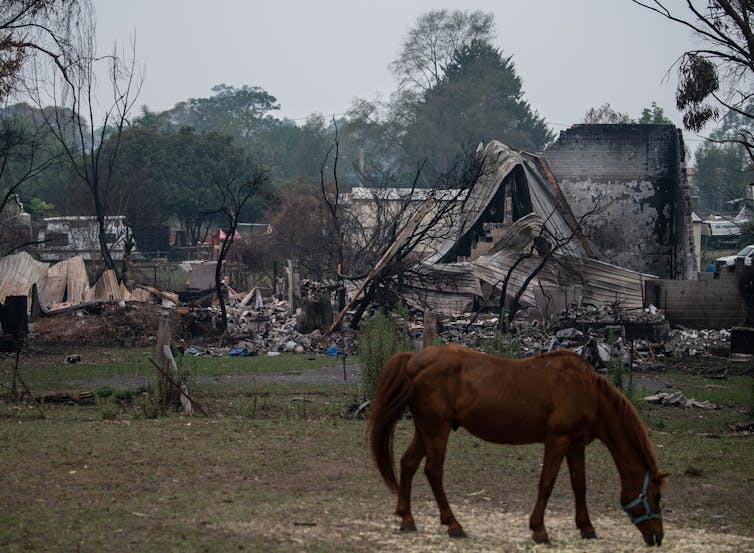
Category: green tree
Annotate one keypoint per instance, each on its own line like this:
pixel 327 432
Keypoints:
pixel 190 159
pixel 723 166
pixel 238 112
pixel 293 153
pixel 140 175
pixel 605 114
pixel 480 98
pixel 653 115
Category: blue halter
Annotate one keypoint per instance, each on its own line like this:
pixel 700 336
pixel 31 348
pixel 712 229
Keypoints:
pixel 642 500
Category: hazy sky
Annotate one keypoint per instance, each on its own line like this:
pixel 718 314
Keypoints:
pixel 318 55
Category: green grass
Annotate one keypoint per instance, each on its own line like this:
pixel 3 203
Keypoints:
pixel 53 373
pixel 261 364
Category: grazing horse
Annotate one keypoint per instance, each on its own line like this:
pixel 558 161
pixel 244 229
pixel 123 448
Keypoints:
pixel 555 398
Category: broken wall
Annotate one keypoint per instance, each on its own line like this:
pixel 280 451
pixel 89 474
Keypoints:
pixel 713 301
pixel 636 174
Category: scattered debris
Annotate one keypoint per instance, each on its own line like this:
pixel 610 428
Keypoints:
pixel 68 397
pixel 744 427
pixel 679 400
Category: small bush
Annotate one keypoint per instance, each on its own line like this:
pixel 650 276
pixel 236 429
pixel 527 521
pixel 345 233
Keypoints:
pixel 147 405
pixel 379 338
pixel 503 344
pixel 615 368
pixel 108 409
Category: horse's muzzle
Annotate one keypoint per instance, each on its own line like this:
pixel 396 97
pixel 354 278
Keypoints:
pixel 653 538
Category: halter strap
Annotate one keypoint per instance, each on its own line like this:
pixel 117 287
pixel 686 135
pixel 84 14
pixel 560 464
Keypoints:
pixel 642 500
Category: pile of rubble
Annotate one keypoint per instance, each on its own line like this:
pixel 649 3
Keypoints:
pixel 258 325
pixel 261 326
pixel 640 336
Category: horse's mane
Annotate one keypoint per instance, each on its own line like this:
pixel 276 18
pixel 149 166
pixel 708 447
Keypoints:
pixel 631 425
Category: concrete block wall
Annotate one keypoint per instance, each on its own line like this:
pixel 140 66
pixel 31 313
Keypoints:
pixel 635 176
pixel 708 302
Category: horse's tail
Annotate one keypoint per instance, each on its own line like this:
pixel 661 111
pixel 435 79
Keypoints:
pixel 392 396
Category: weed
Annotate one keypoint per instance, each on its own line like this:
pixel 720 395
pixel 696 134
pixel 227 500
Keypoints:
pixel 503 343
pixel 379 338
pixel 108 408
pixel 147 405
pixel 615 367
pixel 104 392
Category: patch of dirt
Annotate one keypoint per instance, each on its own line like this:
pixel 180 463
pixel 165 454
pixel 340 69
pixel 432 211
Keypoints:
pixel 101 325
pixel 488 530
pixel 109 325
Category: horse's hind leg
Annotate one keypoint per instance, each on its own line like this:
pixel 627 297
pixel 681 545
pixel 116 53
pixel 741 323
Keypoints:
pixel 436 442
pixel 576 468
pixel 409 465
pixel 555 450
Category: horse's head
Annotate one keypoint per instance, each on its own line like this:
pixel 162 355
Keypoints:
pixel 645 509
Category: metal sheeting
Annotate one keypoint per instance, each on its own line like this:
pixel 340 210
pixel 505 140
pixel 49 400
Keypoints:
pixel 57 279
pixel 78 281
pixel 499 162
pixel 107 288
pixel 605 283
pixel 493 269
pixel 601 283
pixel 59 286
pixel 441 288
pixel 18 273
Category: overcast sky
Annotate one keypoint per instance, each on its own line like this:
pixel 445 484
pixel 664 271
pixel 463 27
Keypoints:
pixel 318 55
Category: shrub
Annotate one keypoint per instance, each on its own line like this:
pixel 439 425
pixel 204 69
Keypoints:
pixel 381 336
pixel 503 343
pixel 615 368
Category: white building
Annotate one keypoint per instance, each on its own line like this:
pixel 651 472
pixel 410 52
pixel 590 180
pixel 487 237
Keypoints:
pixel 64 237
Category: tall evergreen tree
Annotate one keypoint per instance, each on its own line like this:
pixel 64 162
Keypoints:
pixel 480 98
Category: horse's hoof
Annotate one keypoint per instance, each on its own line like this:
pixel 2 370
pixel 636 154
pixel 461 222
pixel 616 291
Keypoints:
pixel 540 538
pixel 456 532
pixel 408 527
pixel 589 535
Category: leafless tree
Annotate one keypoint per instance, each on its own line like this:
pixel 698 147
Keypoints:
pixel 719 73
pixel 431 42
pixel 544 247
pixel 384 254
pixel 82 143
pixel 235 185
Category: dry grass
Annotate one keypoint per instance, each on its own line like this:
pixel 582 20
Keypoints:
pixel 294 479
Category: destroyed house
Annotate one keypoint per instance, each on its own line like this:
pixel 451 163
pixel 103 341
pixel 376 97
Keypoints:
pixel 518 225
pixel 636 176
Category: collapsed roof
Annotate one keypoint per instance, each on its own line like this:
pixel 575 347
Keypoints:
pixel 517 228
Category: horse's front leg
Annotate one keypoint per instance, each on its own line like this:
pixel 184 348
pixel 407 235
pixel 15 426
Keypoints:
pixel 435 442
pixel 409 465
pixel 555 450
pixel 576 468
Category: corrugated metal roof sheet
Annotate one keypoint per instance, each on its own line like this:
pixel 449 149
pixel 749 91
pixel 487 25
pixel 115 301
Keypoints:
pixel 18 273
pixel 605 283
pixel 499 162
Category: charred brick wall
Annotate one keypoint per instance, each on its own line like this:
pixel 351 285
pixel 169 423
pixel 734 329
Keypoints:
pixel 631 181
pixel 713 301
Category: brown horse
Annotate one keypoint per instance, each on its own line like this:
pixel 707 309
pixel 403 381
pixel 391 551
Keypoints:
pixel 555 398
